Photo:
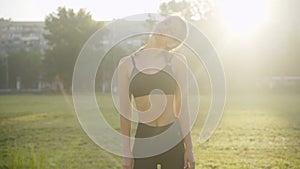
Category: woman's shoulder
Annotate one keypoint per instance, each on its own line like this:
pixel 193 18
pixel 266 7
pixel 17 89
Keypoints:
pixel 125 63
pixel 126 60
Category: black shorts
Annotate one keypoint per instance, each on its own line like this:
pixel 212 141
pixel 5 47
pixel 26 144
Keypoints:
pixel 170 159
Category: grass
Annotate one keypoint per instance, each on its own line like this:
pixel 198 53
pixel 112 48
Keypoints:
pixel 256 131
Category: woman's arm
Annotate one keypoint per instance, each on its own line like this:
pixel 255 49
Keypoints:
pixel 181 108
pixel 125 105
pixel 181 98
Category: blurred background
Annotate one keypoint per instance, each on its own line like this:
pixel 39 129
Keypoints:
pixel 257 42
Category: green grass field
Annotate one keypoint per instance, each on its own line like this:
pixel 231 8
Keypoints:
pixel 256 131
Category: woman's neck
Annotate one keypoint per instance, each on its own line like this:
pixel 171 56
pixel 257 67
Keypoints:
pixel 153 44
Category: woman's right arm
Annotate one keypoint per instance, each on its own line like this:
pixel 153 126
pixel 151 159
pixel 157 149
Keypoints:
pixel 125 111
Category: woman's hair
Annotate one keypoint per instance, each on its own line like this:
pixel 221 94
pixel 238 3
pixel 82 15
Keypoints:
pixel 173 26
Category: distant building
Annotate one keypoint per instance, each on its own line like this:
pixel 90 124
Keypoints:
pixel 22 36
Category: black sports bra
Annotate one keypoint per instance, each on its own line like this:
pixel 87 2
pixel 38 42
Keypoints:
pixel 142 84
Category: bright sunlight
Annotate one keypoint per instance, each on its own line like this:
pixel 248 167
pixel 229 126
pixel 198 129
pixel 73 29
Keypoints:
pixel 242 16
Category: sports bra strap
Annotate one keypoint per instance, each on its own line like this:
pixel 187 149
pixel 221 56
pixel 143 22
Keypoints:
pixel 168 60
pixel 133 62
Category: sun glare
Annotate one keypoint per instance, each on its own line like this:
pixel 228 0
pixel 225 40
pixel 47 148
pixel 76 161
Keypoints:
pixel 242 16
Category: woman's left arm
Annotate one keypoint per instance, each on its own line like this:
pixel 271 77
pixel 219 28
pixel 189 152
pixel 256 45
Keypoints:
pixel 181 108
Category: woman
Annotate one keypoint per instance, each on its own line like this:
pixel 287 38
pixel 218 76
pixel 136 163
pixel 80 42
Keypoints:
pixel 152 67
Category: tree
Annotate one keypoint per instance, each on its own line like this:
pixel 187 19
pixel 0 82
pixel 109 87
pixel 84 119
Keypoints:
pixel 5 20
pixel 67 32
pixel 189 9
pixel 21 64
pixel 205 16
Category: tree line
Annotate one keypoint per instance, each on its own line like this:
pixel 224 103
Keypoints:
pixel 66 31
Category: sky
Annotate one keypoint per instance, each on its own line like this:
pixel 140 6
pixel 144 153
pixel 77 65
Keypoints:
pixel 240 16
pixel 36 10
